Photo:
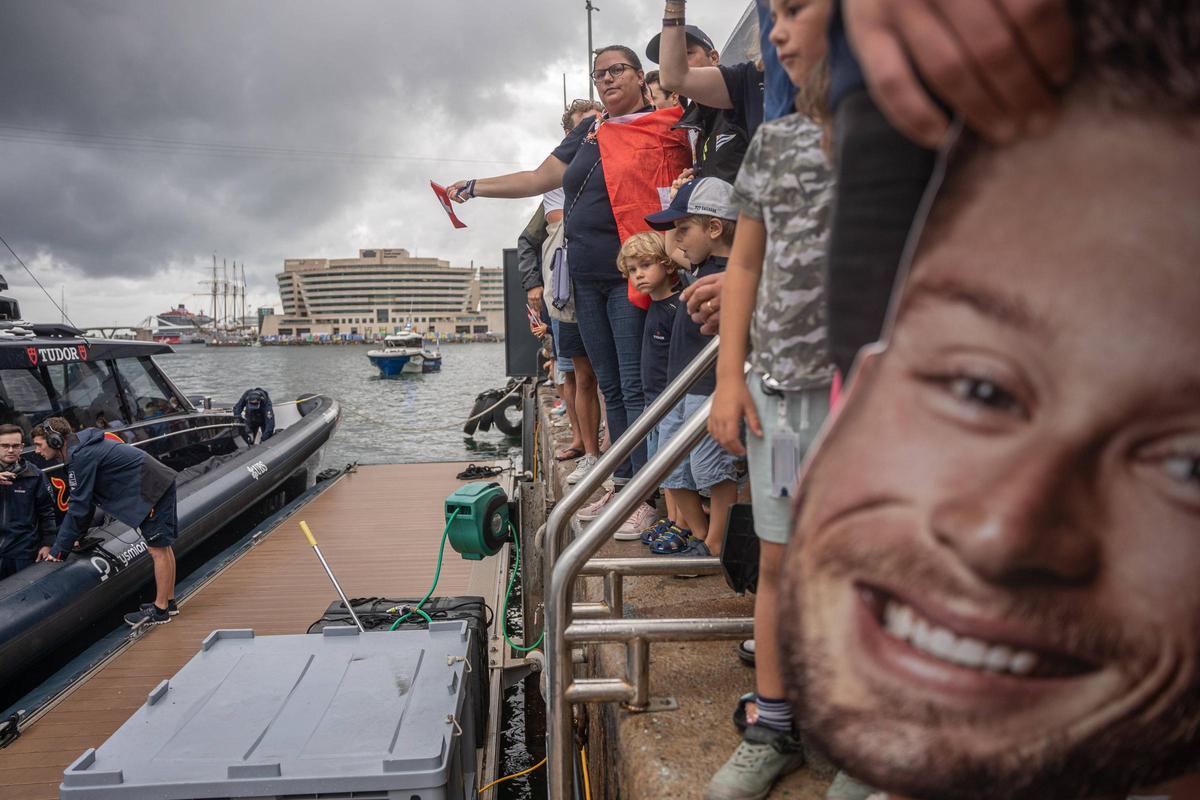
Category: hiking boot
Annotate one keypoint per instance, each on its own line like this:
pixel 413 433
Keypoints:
pixel 631 529
pixel 761 759
pixel 582 468
pixel 846 788
pixel 148 614
pixel 593 510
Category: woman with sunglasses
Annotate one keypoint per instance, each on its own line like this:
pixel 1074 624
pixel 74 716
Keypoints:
pixel 609 321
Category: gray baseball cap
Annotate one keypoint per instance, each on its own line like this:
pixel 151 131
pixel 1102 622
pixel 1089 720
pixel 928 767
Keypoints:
pixel 710 197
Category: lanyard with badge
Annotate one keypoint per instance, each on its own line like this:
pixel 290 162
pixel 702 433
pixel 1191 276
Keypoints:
pixel 786 444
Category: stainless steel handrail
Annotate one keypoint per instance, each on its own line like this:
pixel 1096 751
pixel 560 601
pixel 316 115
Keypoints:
pixel 559 521
pixel 564 568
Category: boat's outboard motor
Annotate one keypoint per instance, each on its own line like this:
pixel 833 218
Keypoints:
pixel 482 520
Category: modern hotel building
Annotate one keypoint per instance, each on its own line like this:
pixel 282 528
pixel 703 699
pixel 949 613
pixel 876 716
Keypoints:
pixel 382 291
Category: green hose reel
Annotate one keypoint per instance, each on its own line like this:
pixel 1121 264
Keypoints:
pixel 480 526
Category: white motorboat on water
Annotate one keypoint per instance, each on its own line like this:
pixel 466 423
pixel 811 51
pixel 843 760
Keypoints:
pixel 405 353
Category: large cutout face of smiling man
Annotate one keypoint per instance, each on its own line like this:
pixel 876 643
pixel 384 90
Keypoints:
pixel 998 572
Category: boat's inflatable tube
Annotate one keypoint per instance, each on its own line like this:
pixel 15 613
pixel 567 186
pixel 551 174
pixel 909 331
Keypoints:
pixel 44 605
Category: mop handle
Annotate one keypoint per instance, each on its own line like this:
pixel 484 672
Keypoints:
pixel 345 601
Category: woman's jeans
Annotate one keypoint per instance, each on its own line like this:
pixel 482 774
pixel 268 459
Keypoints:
pixel 611 328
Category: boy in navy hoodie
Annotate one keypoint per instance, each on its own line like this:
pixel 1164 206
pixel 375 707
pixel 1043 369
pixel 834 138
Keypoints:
pixel 644 260
pixel 703 218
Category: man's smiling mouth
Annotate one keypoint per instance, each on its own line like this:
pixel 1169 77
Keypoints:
pixel 965 644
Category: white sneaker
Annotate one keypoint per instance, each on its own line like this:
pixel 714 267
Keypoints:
pixel 593 510
pixel 641 518
pixel 582 468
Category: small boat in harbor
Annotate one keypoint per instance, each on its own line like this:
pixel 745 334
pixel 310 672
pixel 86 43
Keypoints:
pixel 53 370
pixel 405 353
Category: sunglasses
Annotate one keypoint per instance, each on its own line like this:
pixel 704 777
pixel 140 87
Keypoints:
pixel 614 72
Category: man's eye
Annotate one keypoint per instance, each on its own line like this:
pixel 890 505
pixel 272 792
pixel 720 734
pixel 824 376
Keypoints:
pixel 983 392
pixel 1183 468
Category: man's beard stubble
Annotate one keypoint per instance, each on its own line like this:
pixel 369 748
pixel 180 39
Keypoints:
pixel 875 746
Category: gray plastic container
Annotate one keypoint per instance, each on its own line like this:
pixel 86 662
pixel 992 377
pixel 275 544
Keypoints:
pixel 383 715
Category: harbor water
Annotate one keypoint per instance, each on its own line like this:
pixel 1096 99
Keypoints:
pixel 405 419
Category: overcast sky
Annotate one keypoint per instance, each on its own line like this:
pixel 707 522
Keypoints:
pixel 140 137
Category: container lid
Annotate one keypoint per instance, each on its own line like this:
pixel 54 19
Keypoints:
pixel 258 716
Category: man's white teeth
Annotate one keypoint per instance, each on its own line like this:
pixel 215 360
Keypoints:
pixel 901 622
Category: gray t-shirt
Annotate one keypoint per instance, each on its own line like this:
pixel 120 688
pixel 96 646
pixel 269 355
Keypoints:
pixel 786 183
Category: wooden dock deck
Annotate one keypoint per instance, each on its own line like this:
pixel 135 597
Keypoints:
pixel 379 528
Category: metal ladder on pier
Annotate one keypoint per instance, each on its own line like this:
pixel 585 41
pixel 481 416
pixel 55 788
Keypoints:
pixel 569 624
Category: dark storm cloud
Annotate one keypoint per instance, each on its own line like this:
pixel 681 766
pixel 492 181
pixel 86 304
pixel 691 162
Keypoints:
pixel 149 92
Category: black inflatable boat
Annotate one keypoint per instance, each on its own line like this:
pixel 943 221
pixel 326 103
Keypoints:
pixel 48 370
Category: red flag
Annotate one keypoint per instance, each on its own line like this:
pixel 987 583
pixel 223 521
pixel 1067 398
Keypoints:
pixel 444 199
pixel 642 156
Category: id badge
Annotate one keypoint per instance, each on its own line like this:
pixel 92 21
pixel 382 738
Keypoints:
pixel 786 454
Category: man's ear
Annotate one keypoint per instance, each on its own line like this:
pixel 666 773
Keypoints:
pixel 714 57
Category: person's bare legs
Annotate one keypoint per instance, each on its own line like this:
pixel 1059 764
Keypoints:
pixel 567 393
pixel 672 508
pixel 721 499
pixel 587 405
pixel 693 517
pixel 768 664
pixel 164 574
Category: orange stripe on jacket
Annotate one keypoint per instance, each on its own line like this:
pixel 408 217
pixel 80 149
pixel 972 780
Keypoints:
pixel 642 156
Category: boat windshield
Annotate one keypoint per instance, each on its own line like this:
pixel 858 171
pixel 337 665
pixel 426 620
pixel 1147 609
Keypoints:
pixel 103 394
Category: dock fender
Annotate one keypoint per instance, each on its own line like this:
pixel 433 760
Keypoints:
pixel 486 413
pixel 481 402
pixel 500 417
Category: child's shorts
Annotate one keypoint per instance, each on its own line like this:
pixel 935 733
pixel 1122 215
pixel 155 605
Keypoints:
pixel 805 412
pixel 708 464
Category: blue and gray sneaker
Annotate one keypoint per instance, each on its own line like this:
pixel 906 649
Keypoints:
pixel 148 614
pixel 656 530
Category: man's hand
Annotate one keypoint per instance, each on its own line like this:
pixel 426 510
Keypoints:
pixel 534 296
pixel 6 478
pixel 703 300
pixel 997 62
pixel 44 554
pixel 731 404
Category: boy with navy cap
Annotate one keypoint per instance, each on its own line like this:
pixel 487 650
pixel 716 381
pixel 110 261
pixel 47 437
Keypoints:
pixel 702 219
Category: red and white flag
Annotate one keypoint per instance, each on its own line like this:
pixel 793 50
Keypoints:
pixel 444 199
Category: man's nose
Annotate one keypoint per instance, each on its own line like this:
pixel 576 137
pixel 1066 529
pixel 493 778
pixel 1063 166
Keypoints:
pixel 1026 519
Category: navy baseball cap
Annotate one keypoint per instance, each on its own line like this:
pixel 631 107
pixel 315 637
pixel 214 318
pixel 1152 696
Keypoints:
pixel 694 34
pixel 710 197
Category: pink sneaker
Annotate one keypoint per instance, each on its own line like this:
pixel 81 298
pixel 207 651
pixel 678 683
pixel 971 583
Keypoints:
pixel 641 518
pixel 593 510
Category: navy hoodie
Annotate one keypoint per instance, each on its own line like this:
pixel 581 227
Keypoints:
pixel 120 478
pixel 27 519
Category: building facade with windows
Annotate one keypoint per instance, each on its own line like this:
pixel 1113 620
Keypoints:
pixel 382 291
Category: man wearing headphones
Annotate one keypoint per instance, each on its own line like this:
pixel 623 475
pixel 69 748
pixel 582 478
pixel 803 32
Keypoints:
pixel 130 485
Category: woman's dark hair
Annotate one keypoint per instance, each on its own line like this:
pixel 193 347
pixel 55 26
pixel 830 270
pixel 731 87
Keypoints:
pixel 630 56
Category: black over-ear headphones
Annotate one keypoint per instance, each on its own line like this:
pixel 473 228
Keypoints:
pixel 55 439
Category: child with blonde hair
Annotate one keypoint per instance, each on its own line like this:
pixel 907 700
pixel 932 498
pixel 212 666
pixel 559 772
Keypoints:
pixel 644 261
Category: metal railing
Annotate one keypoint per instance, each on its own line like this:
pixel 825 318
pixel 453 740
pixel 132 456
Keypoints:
pixel 567 624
